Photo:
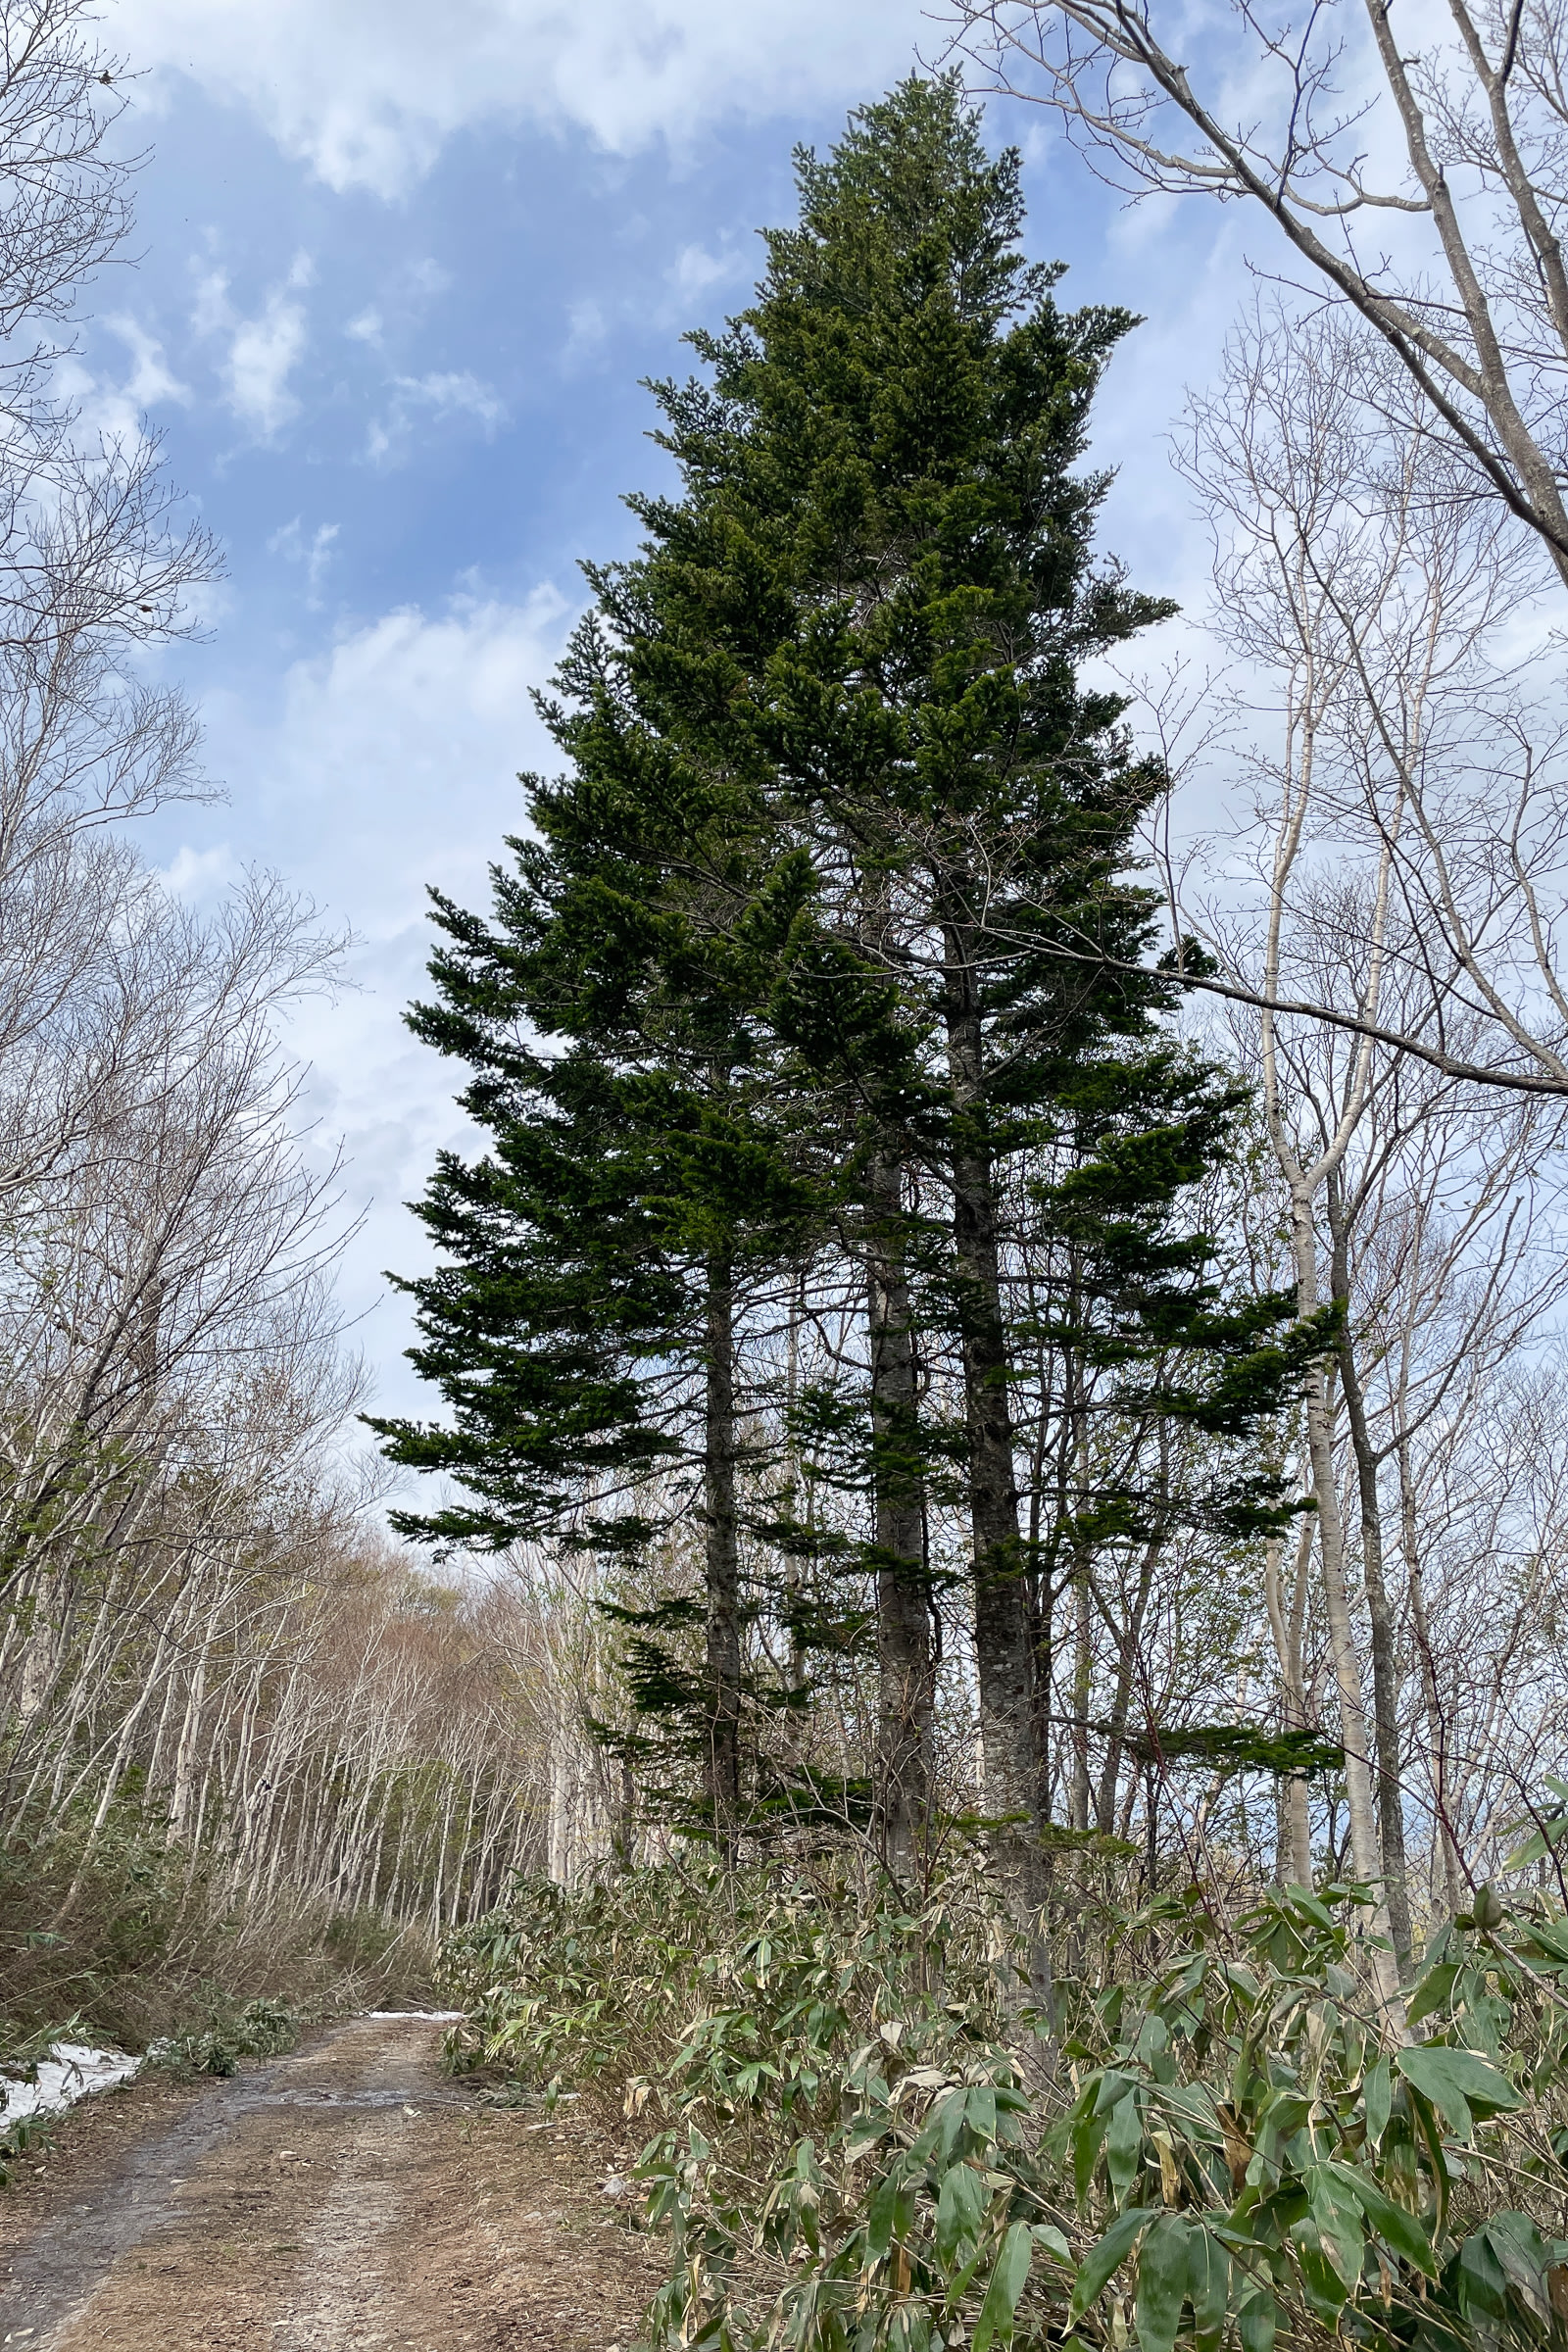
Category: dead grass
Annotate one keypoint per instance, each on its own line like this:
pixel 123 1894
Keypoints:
pixel 315 2219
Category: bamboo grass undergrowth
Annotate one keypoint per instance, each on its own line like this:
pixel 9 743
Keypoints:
pixel 861 2142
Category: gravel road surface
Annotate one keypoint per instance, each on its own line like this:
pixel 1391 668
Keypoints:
pixel 350 2194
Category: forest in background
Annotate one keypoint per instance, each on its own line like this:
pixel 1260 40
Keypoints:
pixel 249 1746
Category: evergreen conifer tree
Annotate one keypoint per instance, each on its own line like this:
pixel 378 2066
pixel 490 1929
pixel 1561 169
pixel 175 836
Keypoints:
pixel 584 1329
pixel 834 922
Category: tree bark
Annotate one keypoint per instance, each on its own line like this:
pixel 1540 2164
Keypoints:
pixel 1453 1875
pixel 1127 1638
pixel 905 1696
pixel 1004 1653
pixel 722 1563
pixel 1294 1852
pixel 1366 1859
pixel 1385 1662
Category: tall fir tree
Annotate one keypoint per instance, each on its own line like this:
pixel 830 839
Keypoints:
pixel 834 920
pixel 885 473
pixel 584 1328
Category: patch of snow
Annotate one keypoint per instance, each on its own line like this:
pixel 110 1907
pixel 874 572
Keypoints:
pixel 434 2017
pixel 68 2074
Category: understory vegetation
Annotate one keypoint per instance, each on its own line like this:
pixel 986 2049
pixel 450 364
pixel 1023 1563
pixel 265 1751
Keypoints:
pixel 860 2137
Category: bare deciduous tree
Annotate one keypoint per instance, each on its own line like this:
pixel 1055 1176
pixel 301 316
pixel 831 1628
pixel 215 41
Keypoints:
pixel 1420 186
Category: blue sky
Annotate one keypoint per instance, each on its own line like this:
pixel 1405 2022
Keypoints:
pixel 390 309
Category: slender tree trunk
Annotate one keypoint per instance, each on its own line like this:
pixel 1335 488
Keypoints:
pixel 1384 1661
pixel 1083 1661
pixel 1452 1876
pixel 905 1695
pixel 1042 1593
pixel 1366 1858
pixel 722 1562
pixel 1286 1616
pixel 185 1754
pixel 1127 1641
pixel 1004 1653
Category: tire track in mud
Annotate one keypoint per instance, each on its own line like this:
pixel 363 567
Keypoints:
pixel 347 2195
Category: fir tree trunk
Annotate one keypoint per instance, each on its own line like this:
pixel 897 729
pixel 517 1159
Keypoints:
pixel 1004 1654
pixel 904 1669
pixel 722 1562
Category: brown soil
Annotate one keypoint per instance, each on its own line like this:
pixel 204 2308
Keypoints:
pixel 350 2194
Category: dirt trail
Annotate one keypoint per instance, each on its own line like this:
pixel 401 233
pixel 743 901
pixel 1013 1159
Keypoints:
pixel 350 2194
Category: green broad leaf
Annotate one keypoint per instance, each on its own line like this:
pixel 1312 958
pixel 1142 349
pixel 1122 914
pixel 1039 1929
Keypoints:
pixel 1456 2081
pixel 1209 2286
pixel 1540 1843
pixel 1377 2097
pixel 1433 1992
pixel 1104 2258
pixel 1550 1935
pixel 1326 2290
pixel 995 2323
pixel 1481 2281
pixel 1047 2234
pixel 1162 2261
pixel 958 2282
pixel 1088 2132
pixel 940 2138
pixel 980 2113
pixel 1256 2321
pixel 1124 2147
pixel 863 2137
pixel 1283 2112
pixel 1111 2088
pixel 882 2213
pixel 1399 2229
pixel 1525 2257
pixel 1337 2213
pixel 962 2203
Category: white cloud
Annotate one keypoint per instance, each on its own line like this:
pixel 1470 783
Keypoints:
pixel 586 330
pixel 436 397
pixel 391 764
pixel 694 271
pixel 198 875
pixel 667 300
pixel 151 379
pixel 115 409
pixel 368 91
pixel 315 553
pixel 263 352
pixel 452 393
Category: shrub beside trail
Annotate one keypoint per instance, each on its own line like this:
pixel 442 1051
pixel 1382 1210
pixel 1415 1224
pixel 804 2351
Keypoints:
pixel 129 1946
pixel 861 2139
